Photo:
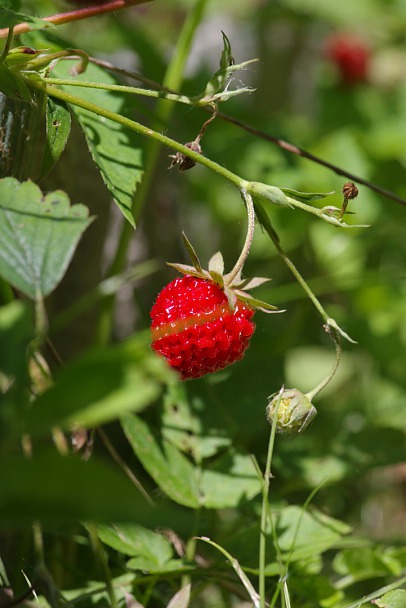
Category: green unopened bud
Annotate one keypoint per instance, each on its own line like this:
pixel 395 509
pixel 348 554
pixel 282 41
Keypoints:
pixel 270 194
pixel 295 411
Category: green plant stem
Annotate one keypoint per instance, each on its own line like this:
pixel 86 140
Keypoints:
pixel 102 559
pixel 367 599
pixel 248 239
pixel 298 276
pixel 190 551
pixel 173 79
pixel 120 89
pixel 336 338
pixel 115 455
pixel 138 128
pixel 265 505
pixel 75 15
pixel 7 45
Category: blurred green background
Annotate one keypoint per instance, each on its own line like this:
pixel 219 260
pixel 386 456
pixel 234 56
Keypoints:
pixel 357 442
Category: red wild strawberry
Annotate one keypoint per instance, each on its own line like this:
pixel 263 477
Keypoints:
pixel 351 57
pixel 201 322
pixel 195 329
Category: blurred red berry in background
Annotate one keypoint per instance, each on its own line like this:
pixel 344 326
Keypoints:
pixel 350 55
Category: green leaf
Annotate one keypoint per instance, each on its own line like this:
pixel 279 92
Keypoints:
pixel 39 235
pixel 150 551
pixel 230 480
pixel 308 533
pixel 305 197
pixel 9 18
pixel 191 424
pixel 181 598
pixel 366 562
pixel 56 489
pixel 20 57
pixel 392 599
pixel 115 149
pixel 12 85
pixel 58 123
pixel 101 386
pixel 192 253
pixel 16 332
pixel 216 264
pixel 170 469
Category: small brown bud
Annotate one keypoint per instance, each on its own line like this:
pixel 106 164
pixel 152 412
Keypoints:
pixel 184 162
pixel 350 190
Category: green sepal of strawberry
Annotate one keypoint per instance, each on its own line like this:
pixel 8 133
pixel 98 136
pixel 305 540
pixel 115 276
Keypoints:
pixel 235 288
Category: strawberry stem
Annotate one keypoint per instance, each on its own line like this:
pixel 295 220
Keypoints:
pixel 249 203
pixel 336 338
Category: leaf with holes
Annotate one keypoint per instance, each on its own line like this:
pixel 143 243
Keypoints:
pixel 38 234
pixel 58 125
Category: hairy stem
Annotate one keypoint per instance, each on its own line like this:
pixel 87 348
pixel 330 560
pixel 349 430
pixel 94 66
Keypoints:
pixel 76 15
pixel 248 239
pixel 265 505
pixel 330 376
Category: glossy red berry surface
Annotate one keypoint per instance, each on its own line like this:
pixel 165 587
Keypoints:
pixel 351 57
pixel 194 328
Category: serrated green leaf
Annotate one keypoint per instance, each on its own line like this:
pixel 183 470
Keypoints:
pixel 12 85
pixel 115 149
pixel 58 123
pixel 305 197
pixel 169 468
pixel 39 235
pixel 392 599
pixel 216 263
pixel 152 551
pixel 62 489
pixel 192 253
pixel 101 386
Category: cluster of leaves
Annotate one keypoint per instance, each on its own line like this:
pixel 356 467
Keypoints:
pixel 192 451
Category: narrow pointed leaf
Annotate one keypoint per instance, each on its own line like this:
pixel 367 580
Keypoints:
pixel 216 263
pixel 217 278
pixel 185 269
pixel 192 253
pixel 231 297
pixel 181 598
pixel 305 197
pixel 58 123
pixel 256 303
pixel 39 235
pixel 251 283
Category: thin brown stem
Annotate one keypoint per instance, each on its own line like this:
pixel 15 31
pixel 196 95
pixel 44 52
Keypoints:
pixel 266 136
pixel 300 152
pixel 115 455
pixel 76 15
